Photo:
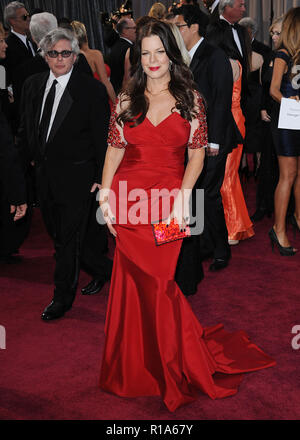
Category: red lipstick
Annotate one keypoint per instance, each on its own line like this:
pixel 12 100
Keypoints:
pixel 154 69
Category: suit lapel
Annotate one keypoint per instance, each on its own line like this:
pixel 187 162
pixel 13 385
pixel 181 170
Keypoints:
pixel 197 55
pixel 62 111
pixel 21 45
pixel 37 102
pixel 242 40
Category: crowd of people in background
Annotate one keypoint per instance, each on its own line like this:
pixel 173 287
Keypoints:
pixel 242 81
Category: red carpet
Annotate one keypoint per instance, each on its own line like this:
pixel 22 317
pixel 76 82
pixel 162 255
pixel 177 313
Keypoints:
pixel 51 370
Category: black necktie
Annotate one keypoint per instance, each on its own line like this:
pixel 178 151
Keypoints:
pixel 47 112
pixel 28 47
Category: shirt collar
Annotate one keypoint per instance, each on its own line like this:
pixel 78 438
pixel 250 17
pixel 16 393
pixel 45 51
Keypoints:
pixel 62 80
pixel 223 18
pixel 214 5
pixel 21 36
pixel 195 47
pixel 127 40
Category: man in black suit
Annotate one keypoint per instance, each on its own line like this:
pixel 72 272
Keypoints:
pixel 127 31
pixel 213 75
pixel 12 183
pixel 213 8
pixel 20 47
pixel 40 25
pixel 12 191
pixel 64 125
pixel 13 195
pixel 227 28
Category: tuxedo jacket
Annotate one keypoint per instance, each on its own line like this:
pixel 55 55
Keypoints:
pixel 115 61
pixel 16 55
pixel 215 15
pixel 110 36
pixel 221 31
pixel 213 75
pixel 12 180
pixel 72 159
pixel 261 48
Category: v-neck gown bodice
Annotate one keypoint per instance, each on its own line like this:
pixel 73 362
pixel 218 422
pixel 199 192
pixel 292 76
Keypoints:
pixel 155 345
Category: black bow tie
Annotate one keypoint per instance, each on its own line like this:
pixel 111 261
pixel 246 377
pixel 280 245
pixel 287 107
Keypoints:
pixel 234 26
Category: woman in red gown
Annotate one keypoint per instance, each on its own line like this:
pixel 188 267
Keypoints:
pixel 154 343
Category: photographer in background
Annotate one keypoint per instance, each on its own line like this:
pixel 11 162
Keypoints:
pixel 110 33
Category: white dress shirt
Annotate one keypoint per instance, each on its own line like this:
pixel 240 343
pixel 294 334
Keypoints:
pixel 23 38
pixel 235 36
pixel 194 48
pixel 62 82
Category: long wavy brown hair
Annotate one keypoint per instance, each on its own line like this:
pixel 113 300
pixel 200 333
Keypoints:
pixel 2 31
pixel 290 35
pixel 181 85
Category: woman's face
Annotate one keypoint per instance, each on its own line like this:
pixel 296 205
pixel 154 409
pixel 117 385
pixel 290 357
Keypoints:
pixel 275 34
pixel 154 59
pixel 3 46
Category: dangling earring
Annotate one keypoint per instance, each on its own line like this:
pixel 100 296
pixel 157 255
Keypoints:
pixel 171 66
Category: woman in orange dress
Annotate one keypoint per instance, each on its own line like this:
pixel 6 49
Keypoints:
pixel 238 222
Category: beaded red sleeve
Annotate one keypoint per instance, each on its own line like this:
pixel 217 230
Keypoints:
pixel 200 138
pixel 114 138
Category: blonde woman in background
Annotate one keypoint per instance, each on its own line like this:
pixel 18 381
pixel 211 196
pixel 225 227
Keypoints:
pixel 94 58
pixel 287 141
pixel 275 31
pixel 180 43
pixel 158 10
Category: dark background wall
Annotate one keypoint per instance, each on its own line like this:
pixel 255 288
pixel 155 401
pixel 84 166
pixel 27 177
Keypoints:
pixel 88 11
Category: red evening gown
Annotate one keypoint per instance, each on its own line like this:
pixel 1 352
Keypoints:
pixel 238 222
pixel 155 345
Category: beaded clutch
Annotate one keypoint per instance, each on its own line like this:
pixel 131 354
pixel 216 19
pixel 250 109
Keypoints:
pixel 164 233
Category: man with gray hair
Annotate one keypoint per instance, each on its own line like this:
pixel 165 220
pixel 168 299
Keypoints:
pixel 41 24
pixel 20 48
pixel 257 46
pixel 64 127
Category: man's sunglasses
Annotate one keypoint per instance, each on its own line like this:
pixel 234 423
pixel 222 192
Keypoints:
pixel 63 53
pixel 24 17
